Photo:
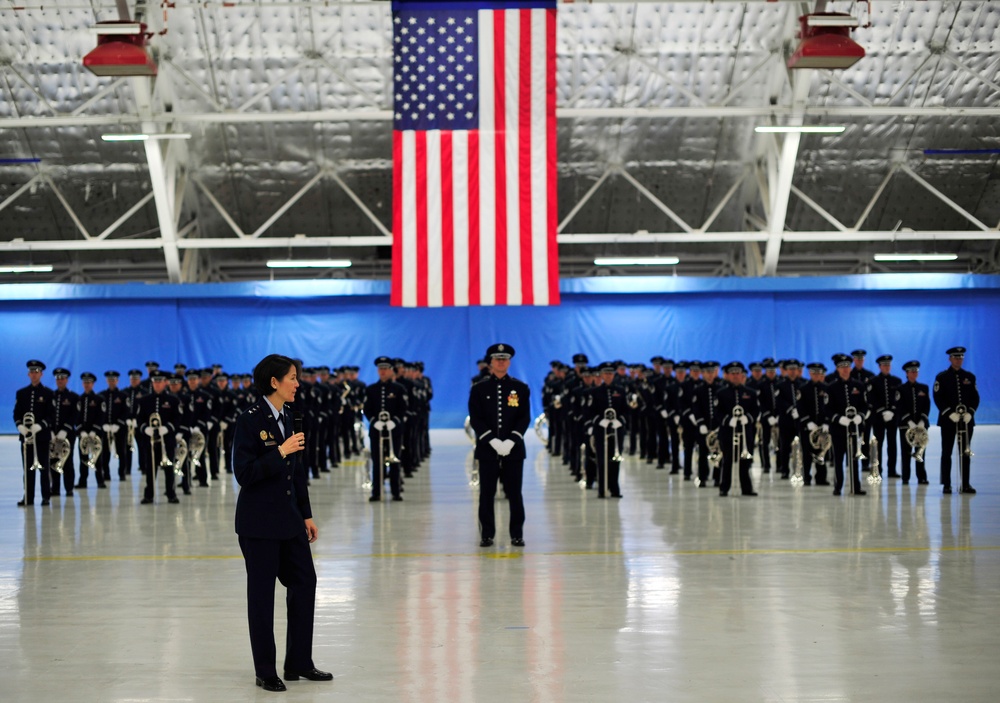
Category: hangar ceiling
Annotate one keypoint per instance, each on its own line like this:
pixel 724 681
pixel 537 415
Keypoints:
pixel 288 105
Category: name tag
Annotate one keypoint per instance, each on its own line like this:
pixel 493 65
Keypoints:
pixel 270 443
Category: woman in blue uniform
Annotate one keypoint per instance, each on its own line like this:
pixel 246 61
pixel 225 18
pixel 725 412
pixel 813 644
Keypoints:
pixel 274 523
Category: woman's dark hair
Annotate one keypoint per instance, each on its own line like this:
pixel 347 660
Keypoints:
pixel 272 366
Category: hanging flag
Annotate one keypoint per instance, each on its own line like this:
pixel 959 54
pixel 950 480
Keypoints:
pixel 474 154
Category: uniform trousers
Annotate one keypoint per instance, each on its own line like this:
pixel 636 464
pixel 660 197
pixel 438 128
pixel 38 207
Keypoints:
pixel 765 445
pixel 691 440
pixel 604 450
pixel 726 478
pixel 787 432
pixel 69 472
pixel 907 455
pixel 381 450
pixel 948 435
pixel 842 457
pixel 290 562
pixel 118 440
pixel 84 458
pixel 511 471
pixel 149 461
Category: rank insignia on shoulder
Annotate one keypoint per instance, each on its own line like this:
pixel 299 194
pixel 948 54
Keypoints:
pixel 512 400
pixel 263 434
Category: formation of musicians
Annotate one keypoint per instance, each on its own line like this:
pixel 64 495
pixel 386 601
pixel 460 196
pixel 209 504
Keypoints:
pixel 707 420
pixel 179 425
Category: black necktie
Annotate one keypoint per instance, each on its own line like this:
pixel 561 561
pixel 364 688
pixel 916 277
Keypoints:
pixel 281 427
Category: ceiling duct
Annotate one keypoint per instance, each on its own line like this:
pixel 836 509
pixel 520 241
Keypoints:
pixel 826 42
pixel 119 53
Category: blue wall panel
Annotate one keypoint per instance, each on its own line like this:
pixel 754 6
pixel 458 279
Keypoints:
pixel 334 322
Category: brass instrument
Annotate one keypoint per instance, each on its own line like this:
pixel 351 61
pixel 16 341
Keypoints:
pixel 714 449
pixel 918 439
pixel 196 448
pixel 632 399
pixel 874 476
pixel 962 431
pixel 155 422
pixel 130 439
pixel 542 428
pixel 582 483
pixel 610 417
pixel 29 441
pixel 740 415
pixel 821 441
pixel 110 439
pixel 59 453
pixel 469 432
pixel 91 445
pixel 180 455
pixel 796 478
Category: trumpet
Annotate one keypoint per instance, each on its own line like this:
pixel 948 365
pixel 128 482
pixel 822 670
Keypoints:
pixel 796 461
pixel 918 439
pixel 542 428
pixel 29 441
pixel 91 445
pixel 180 454
pixel 59 451
pixel 962 431
pixel 385 435
pixel 874 476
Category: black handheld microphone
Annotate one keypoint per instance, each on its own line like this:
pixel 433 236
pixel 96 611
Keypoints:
pixel 297 422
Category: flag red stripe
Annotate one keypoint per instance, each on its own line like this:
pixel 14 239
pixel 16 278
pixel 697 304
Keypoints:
pixel 551 167
pixel 474 280
pixel 447 224
pixel 396 296
pixel 499 101
pixel 524 158
pixel 421 163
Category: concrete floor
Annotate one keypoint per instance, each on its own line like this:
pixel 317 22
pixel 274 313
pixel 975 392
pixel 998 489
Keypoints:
pixel 670 594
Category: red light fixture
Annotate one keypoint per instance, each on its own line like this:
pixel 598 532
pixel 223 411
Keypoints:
pixel 826 42
pixel 119 54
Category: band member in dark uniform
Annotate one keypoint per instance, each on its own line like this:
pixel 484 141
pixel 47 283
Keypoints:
pixel 114 425
pixel 132 395
pixel 848 409
pixel 91 417
pixel 912 408
pixel 957 399
pixel 63 426
pixel 739 407
pixel 385 432
pixel 157 415
pixel 274 523
pixel 881 390
pixel 607 410
pixel 704 416
pixel 500 412
pixel 32 415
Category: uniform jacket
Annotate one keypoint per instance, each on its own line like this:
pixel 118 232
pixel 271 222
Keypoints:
pixel 913 403
pixel 273 502
pixel 34 399
pixel 953 388
pixel 499 408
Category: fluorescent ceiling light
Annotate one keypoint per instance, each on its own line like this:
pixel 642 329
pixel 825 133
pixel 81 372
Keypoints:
pixel 916 257
pixel 832 21
pixel 800 129
pixel 144 137
pixel 309 264
pixel 637 261
pixel 25 269
pixel 117 28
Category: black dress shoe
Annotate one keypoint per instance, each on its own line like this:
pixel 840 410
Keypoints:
pixel 947 490
pixel 894 475
pixel 102 485
pixel 69 494
pixel 173 499
pixel 21 504
pixel 923 483
pixel 860 493
pixel 374 499
pixel 836 492
pixel 750 493
pixel 965 489
pixel 45 501
pixel 397 498
pixel 516 542
pixel 723 494
pixel 822 483
pixel 313 674
pixel 271 683
pixel 486 542
pixel 145 501
pixel 617 495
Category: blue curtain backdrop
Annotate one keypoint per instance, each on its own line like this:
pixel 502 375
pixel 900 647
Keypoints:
pixel 94 328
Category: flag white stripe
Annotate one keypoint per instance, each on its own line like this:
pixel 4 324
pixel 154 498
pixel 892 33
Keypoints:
pixel 512 144
pixel 435 291
pixel 460 179
pixel 409 219
pixel 539 153
pixel 487 167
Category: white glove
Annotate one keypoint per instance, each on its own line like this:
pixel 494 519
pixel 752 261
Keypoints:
pixel 210 424
pixel 604 423
pixel 663 414
pixel 744 420
pixel 35 429
pixel 379 425
pixel 772 421
pixel 887 415
pixel 223 425
pixel 953 417
pixel 910 424
pixel 734 421
pixel 496 444
pixel 844 420
pixel 505 447
pixel 163 431
pixel 590 430
pixel 114 427
pixel 856 420
pixel 132 423
pixel 967 418
pixel 390 424
pixel 148 431
pixel 812 426
pixel 106 427
pixel 826 427
pixel 179 435
pixel 677 419
pixel 703 429
pixel 61 434
pixel 196 430
pixel 795 413
pixel 23 430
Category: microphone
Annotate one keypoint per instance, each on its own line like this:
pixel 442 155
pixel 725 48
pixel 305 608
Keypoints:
pixel 297 421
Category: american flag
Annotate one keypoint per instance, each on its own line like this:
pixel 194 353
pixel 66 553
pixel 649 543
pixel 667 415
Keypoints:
pixel 474 154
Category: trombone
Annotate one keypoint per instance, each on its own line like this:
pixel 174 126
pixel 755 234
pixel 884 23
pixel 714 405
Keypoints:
pixel 155 423
pixel 797 465
pixel 29 441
